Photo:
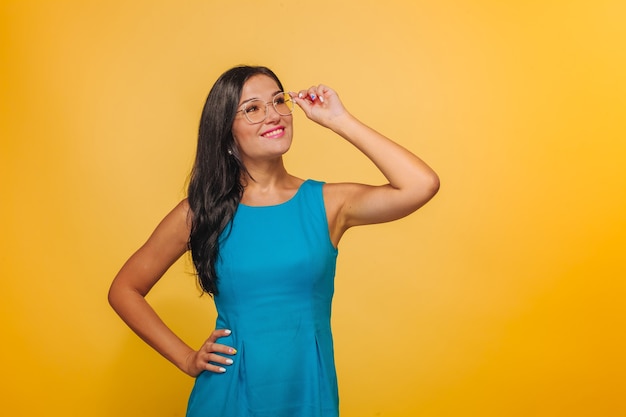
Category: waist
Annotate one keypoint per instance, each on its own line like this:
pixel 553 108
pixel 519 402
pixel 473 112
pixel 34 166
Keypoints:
pixel 252 323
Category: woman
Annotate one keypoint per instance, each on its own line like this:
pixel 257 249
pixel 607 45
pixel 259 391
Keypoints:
pixel 263 243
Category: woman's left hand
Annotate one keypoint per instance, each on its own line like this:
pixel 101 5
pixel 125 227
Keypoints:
pixel 321 104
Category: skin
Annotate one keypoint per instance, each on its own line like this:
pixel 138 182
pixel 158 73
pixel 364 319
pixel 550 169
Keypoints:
pixel 411 183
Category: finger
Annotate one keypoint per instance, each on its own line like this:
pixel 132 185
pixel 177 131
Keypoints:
pixel 309 94
pixel 304 95
pixel 300 100
pixel 321 91
pixel 211 357
pixel 209 348
pixel 218 369
pixel 203 361
pixel 219 359
pixel 313 93
pixel 214 361
pixel 217 333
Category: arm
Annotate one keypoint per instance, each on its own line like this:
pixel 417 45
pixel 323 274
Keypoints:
pixel 411 184
pixel 139 274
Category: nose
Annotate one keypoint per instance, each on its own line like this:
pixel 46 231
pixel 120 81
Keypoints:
pixel 272 114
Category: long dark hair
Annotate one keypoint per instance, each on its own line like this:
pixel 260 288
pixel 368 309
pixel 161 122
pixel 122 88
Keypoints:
pixel 215 187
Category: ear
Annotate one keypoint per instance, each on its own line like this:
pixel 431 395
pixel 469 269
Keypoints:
pixel 233 149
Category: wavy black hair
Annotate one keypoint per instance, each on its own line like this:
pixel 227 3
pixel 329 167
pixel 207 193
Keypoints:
pixel 215 186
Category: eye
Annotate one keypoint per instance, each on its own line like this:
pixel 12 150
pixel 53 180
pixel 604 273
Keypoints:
pixel 280 100
pixel 252 108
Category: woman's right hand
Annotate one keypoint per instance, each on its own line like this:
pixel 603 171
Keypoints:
pixel 322 105
pixel 210 357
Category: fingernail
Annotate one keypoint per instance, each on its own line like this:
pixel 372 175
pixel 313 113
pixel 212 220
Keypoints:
pixel 222 369
pixel 300 95
pixel 229 361
pixel 321 99
pixel 233 351
pixel 313 97
pixel 227 331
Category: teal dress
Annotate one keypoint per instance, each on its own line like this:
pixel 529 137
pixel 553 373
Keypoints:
pixel 275 287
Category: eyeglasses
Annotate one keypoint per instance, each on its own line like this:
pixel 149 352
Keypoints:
pixel 256 110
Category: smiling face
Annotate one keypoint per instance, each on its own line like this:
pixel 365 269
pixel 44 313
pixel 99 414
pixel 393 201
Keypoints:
pixel 269 139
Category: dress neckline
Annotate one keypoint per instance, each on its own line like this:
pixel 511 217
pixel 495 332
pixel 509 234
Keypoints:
pixel 290 199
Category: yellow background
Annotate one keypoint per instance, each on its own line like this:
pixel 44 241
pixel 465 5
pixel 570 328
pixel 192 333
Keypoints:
pixel 502 297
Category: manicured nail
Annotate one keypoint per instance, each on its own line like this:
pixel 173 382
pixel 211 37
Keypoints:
pixel 229 361
pixel 313 97
pixel 227 331
pixel 321 99
pixel 222 369
pixel 233 351
pixel 300 95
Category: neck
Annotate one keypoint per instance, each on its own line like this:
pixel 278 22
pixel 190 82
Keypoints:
pixel 265 174
pixel 269 185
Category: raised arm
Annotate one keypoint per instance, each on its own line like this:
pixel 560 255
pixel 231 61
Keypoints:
pixel 139 274
pixel 412 183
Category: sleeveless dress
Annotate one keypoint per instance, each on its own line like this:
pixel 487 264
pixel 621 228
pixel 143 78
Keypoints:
pixel 275 286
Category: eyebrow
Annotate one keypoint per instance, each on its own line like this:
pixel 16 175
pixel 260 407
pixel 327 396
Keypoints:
pixel 257 98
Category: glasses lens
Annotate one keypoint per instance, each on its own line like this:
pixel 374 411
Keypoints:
pixel 283 104
pixel 255 111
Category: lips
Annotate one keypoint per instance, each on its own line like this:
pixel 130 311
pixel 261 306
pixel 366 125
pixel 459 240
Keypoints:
pixel 274 133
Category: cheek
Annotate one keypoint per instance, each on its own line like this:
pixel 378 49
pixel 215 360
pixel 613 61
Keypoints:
pixel 240 132
pixel 289 123
pixel 235 130
pixel 245 137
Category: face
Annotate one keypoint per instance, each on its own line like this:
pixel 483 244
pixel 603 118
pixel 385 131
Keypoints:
pixel 269 139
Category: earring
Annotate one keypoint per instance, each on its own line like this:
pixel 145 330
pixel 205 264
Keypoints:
pixel 230 152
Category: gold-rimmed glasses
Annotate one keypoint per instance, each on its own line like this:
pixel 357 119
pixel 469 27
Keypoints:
pixel 256 110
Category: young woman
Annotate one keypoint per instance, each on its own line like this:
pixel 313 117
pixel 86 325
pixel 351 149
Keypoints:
pixel 264 244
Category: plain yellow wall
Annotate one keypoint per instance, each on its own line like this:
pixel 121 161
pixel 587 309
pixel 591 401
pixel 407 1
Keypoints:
pixel 502 297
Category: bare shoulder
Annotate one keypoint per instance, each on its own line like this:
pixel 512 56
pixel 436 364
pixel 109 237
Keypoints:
pixel 173 231
pixel 180 216
pixel 183 212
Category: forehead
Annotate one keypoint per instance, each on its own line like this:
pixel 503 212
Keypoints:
pixel 259 86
